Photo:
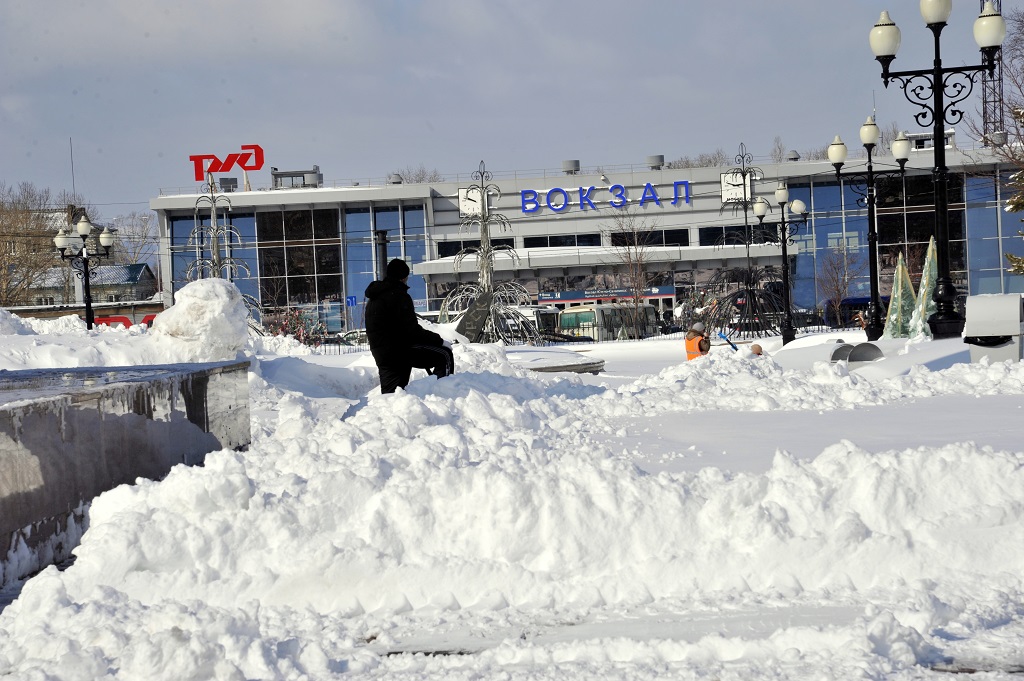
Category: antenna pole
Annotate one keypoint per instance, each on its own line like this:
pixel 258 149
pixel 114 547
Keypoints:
pixel 72 147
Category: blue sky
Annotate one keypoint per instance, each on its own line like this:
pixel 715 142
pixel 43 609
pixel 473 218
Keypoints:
pixel 363 88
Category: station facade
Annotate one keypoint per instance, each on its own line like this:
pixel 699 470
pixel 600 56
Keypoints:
pixel 305 245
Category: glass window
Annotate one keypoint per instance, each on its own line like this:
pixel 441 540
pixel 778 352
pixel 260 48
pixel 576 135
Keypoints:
pixel 299 260
pixel 983 254
pixel 357 222
pixel 269 226
pixel 955 187
pixel 828 232
pixel 273 291
pixel 986 282
pixel 358 267
pixel 298 224
pixel 711 236
pixel 673 237
pixel 447 249
pixel 301 290
pixel 920 190
pixel 325 223
pixel 535 242
pixel 415 220
pixel 562 240
pixel 825 197
pixel 957 256
pixel 501 242
pixel 271 262
pixel 590 239
pixel 857 230
pixel 956 225
pixel 245 225
pixel 920 226
pixel 889 192
pixel 1014 283
pixel 982 223
pixel 245 259
pixel 980 188
pixel 891 228
pixel 386 217
pixel 328 259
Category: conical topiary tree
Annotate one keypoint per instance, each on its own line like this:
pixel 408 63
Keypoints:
pixel 925 303
pixel 902 303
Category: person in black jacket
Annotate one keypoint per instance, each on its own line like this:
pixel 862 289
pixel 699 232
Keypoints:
pixel 397 341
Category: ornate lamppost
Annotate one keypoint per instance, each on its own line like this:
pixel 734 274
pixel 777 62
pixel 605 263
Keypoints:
pixel 938 91
pixel 837 152
pixel 787 230
pixel 80 257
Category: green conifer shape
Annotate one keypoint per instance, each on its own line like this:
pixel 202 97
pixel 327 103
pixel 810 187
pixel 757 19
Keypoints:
pixel 925 289
pixel 902 303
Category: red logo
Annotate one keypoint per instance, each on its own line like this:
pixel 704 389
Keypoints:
pixel 246 160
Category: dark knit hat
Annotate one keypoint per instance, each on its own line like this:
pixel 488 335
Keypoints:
pixel 398 269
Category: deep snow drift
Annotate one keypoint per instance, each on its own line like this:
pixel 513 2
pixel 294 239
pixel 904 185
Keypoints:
pixel 520 521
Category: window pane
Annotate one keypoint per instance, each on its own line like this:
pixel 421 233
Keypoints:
pixel 986 282
pixel 981 188
pixel 711 236
pixel 273 291
pixel 271 262
pixel 386 218
pixel 675 237
pixel 269 226
pixel 983 253
pixel 357 222
pixel 595 239
pixel 446 249
pixel 535 242
pixel 825 197
pixel 300 260
pixel 562 240
pixel 920 190
pixel 325 223
pixel 301 290
pixel 328 259
pixel 298 224
pixel 920 227
pixel 982 222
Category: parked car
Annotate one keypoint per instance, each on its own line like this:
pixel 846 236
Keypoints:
pixel 354 337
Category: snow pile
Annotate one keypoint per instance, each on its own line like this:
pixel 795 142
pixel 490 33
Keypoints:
pixel 487 512
pixel 10 325
pixel 210 316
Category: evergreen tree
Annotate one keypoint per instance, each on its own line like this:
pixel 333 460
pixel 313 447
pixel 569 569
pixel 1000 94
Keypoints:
pixel 925 303
pixel 902 303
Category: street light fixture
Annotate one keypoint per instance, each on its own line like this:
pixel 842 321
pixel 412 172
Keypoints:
pixel 786 233
pixel 80 257
pixel 837 153
pixel 928 89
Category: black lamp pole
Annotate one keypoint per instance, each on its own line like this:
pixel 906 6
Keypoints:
pixel 80 258
pixel 869 136
pixel 928 89
pixel 786 233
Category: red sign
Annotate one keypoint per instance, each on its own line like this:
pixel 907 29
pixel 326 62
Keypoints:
pixel 246 160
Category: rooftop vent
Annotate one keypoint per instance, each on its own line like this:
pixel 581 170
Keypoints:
pixel 287 179
pixel 656 162
pixel 570 167
pixel 395 178
pixel 793 155
pixel 228 184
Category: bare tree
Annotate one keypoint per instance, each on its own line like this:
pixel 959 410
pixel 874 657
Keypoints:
pixel 886 135
pixel 817 153
pixel 707 160
pixel 136 238
pixel 778 150
pixel 837 269
pixel 420 174
pixel 631 237
pixel 29 219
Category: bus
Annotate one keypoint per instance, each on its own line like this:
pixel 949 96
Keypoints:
pixel 609 321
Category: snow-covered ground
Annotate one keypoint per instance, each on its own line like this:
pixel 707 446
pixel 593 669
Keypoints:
pixel 735 517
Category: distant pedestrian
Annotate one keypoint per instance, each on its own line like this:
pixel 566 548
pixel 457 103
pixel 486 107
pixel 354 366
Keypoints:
pixel 697 343
pixel 397 341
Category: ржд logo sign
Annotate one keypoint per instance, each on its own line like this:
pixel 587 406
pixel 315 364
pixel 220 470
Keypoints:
pixel 246 160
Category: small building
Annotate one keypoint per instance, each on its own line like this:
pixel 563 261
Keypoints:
pixel 109 284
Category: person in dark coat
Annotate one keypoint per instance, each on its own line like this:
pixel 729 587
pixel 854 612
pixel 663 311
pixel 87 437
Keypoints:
pixel 397 341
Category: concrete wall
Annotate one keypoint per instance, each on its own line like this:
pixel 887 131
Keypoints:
pixel 67 435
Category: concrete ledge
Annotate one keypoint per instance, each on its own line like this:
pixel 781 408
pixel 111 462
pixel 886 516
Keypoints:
pixel 67 435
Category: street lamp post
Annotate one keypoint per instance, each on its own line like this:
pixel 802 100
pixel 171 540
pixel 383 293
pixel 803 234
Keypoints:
pixel 837 155
pixel 80 258
pixel 787 230
pixel 930 89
